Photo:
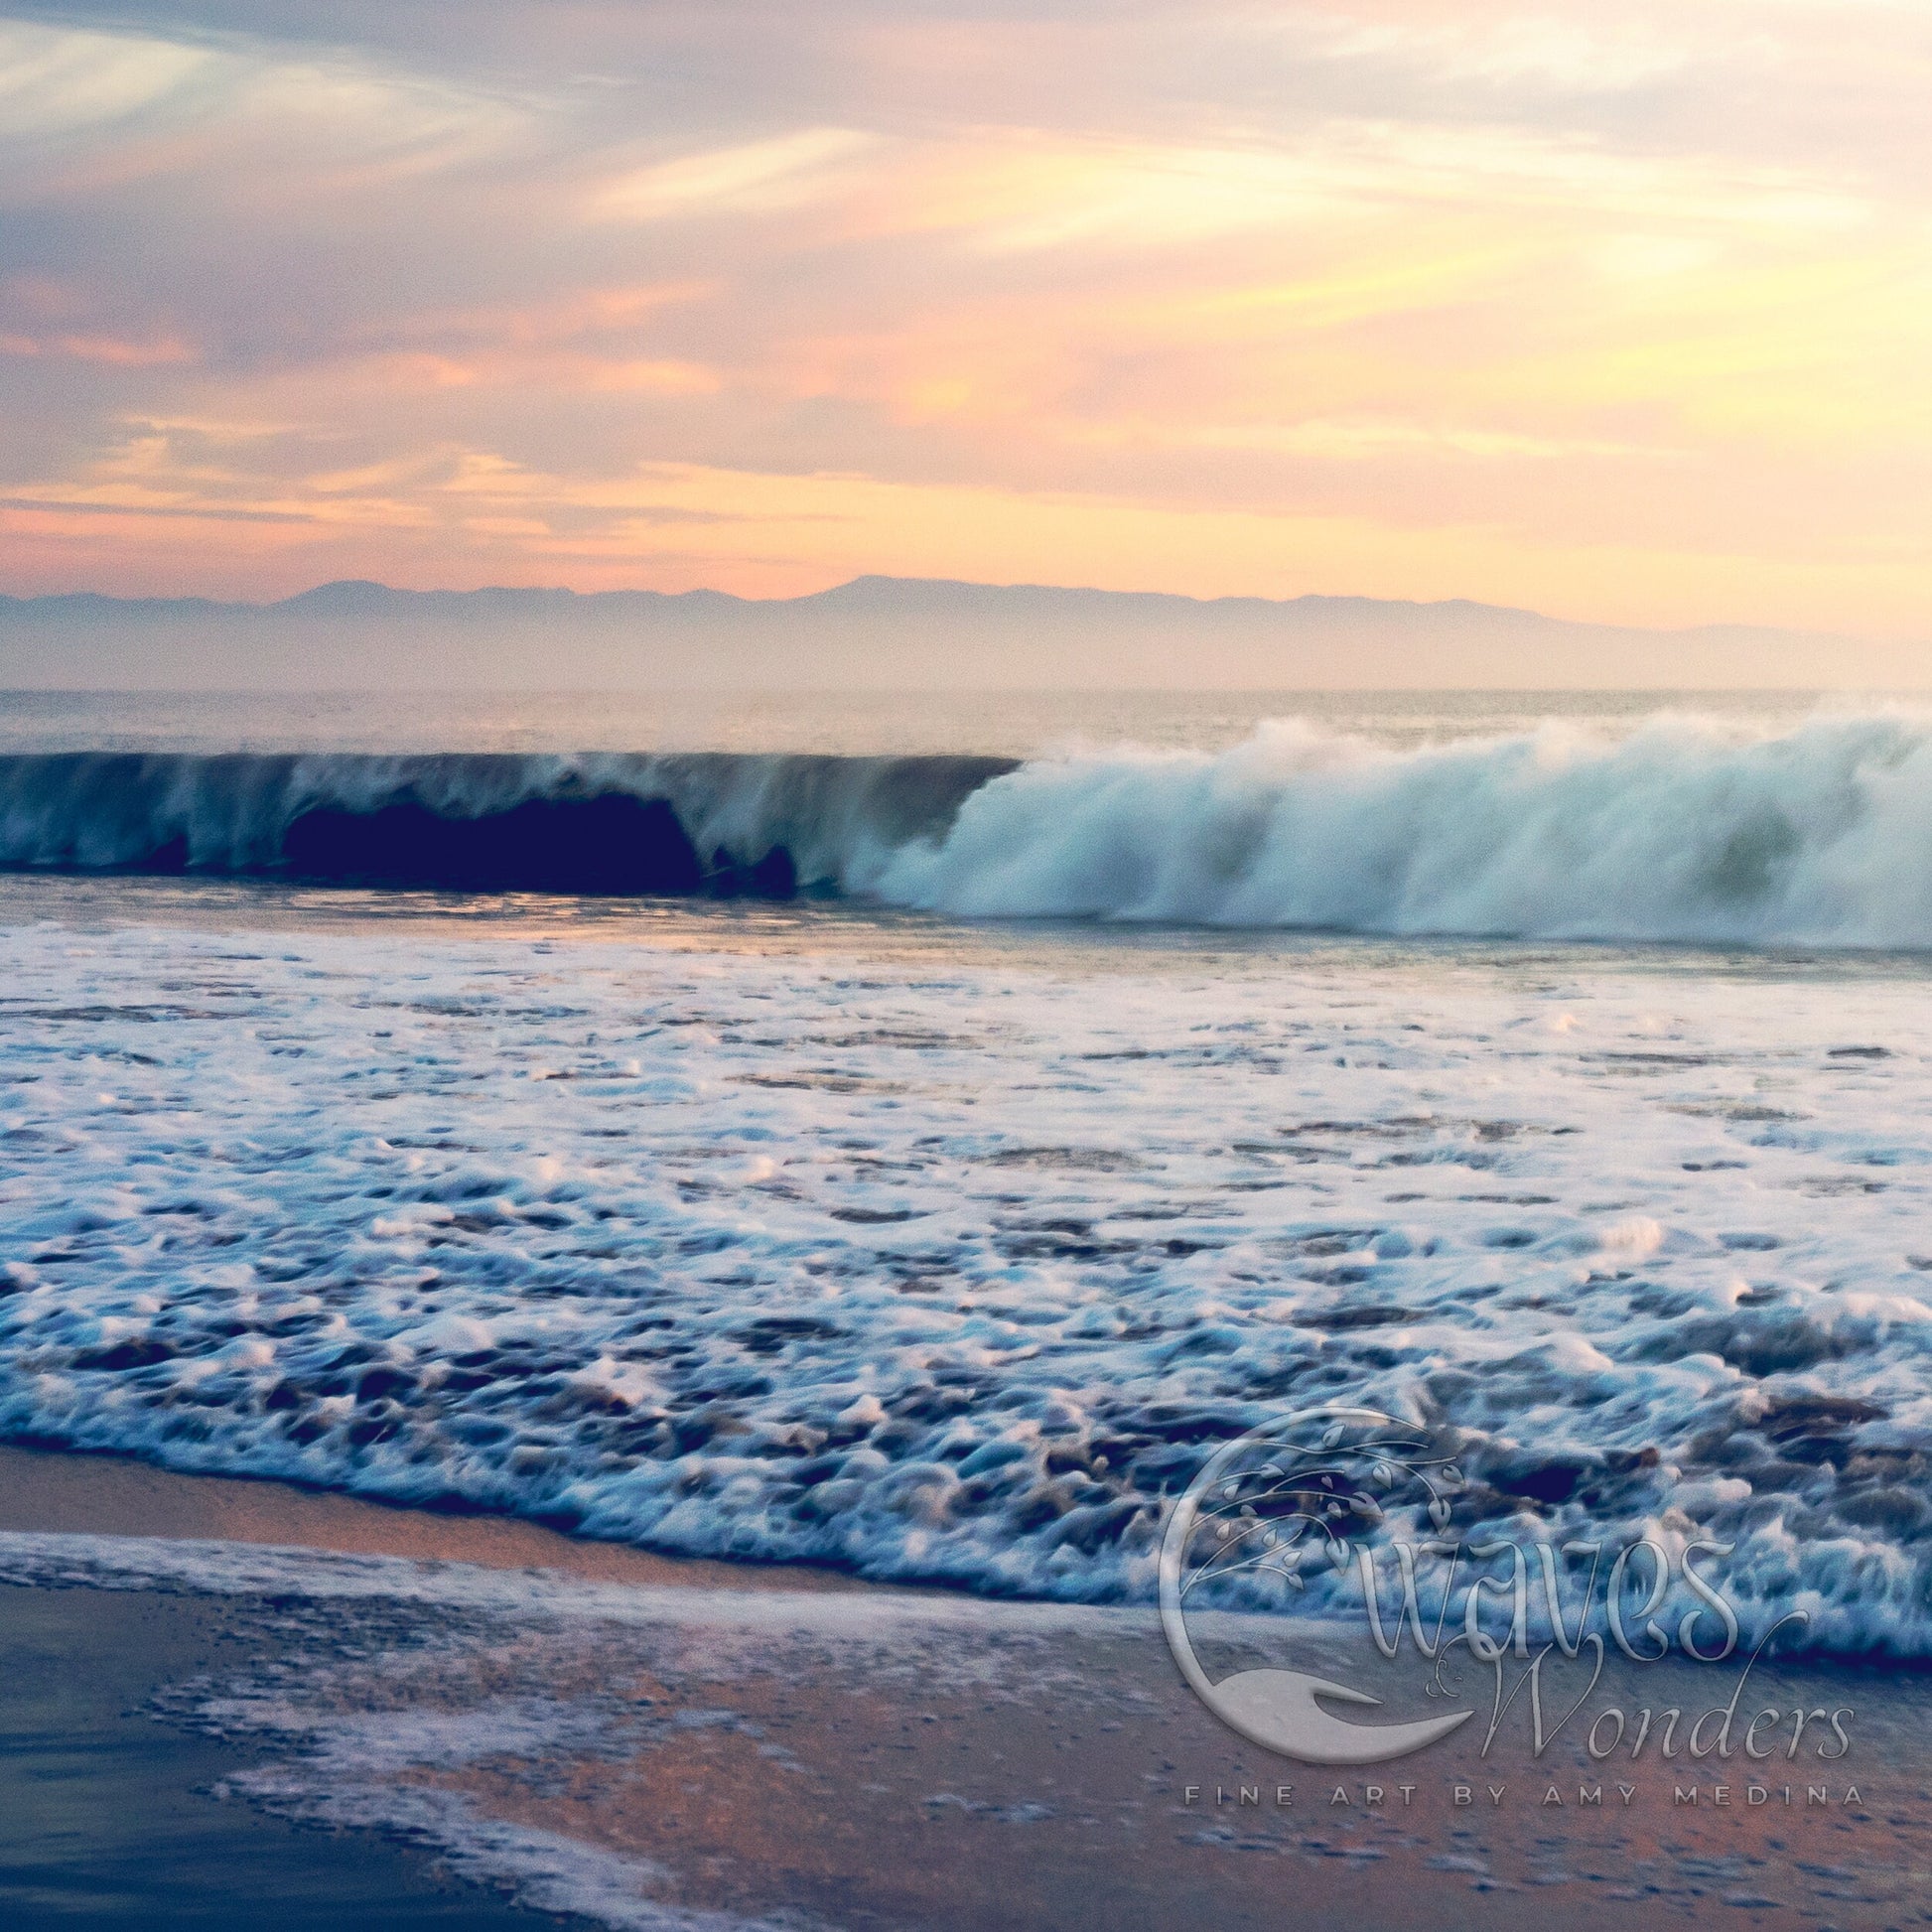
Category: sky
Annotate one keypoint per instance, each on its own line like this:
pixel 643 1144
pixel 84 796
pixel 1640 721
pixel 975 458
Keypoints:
pixel 1620 313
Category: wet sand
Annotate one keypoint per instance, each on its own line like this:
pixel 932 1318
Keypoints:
pixel 105 1818
pixel 653 1742
pixel 113 1495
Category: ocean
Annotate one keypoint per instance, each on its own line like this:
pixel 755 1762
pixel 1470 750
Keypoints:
pixel 906 1136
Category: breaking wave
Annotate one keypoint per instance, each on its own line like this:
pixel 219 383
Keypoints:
pixel 1682 830
pixel 770 824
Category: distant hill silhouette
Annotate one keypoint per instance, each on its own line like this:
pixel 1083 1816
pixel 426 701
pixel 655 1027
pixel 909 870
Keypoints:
pixel 888 632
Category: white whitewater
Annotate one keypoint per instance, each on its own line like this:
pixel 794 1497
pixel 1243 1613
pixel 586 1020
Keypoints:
pixel 1682 830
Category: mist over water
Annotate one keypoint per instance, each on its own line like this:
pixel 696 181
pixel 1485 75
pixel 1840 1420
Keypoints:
pixel 854 723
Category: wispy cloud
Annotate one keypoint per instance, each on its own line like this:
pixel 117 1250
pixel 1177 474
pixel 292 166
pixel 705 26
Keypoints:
pixel 758 177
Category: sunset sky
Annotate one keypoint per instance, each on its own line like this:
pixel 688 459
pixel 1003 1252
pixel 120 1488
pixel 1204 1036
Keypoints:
pixel 1623 312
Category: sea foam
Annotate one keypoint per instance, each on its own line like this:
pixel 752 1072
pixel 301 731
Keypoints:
pixel 947 1267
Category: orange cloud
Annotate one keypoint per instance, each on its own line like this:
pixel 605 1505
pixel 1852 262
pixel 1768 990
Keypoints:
pixel 99 348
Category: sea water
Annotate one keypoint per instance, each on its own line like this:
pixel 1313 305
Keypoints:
pixel 1091 1081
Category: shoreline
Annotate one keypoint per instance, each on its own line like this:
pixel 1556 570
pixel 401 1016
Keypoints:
pixel 102 1492
pixel 638 1740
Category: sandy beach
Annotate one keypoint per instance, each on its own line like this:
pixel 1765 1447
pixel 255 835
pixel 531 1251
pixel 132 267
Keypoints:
pixel 631 1740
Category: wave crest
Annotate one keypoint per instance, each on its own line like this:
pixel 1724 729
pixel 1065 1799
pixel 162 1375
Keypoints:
pixel 1681 831
pixel 602 823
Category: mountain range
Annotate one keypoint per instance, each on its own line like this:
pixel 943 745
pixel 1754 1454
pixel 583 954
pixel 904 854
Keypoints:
pixel 889 634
